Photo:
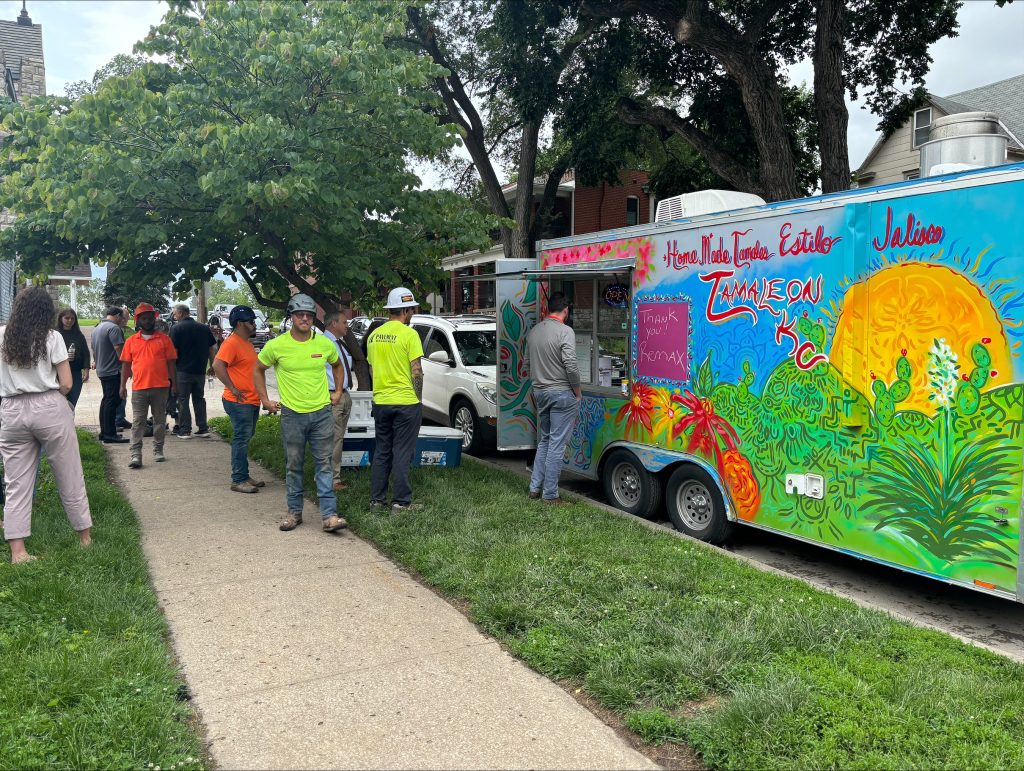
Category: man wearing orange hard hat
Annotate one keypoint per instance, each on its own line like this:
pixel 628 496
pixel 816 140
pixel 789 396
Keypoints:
pixel 147 359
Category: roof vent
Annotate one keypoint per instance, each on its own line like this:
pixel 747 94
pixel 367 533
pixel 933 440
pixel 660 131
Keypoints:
pixel 703 202
pixel 965 140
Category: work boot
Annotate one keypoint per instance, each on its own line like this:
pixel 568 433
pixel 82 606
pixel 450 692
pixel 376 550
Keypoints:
pixel 339 486
pixel 557 502
pixel 135 462
pixel 245 487
pixel 255 483
pixel 333 524
pixel 292 521
pixel 158 456
pixel 534 494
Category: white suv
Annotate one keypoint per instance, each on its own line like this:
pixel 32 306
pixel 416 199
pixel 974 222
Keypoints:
pixel 460 375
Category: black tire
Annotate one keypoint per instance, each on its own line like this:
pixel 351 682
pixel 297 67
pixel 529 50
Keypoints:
pixel 464 418
pixel 695 505
pixel 629 486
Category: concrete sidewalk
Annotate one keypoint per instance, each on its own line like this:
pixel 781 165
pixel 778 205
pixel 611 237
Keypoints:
pixel 311 650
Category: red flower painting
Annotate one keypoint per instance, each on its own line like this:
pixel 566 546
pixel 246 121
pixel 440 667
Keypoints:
pixel 637 411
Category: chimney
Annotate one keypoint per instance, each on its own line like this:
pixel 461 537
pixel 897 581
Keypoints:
pixel 964 140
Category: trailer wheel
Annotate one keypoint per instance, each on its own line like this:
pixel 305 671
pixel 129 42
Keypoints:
pixel 696 506
pixel 629 486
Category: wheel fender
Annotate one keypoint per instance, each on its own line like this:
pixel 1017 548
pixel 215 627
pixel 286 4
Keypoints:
pixel 658 459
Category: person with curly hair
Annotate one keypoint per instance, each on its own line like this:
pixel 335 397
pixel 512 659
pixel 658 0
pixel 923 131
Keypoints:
pixel 35 376
pixel 78 352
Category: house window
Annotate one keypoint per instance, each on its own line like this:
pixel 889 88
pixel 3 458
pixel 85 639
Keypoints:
pixel 632 210
pixel 922 124
pixel 912 174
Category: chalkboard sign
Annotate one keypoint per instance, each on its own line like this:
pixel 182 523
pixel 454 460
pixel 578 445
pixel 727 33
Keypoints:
pixel 661 339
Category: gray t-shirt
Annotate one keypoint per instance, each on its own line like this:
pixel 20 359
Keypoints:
pixel 105 336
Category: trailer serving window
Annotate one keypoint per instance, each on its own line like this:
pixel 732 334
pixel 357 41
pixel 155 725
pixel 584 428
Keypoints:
pixel 600 319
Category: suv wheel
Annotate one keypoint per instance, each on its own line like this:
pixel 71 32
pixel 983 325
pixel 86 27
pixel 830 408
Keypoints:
pixel 463 417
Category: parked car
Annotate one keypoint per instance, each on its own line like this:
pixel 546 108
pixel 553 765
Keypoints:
pixel 260 336
pixel 359 325
pixel 460 374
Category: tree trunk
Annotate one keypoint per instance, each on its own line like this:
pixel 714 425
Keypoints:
pixel 763 102
pixel 759 88
pixel 521 247
pixel 360 367
pixel 829 92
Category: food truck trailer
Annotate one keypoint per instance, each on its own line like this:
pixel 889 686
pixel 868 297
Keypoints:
pixel 846 370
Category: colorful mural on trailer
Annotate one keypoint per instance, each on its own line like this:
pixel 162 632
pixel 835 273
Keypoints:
pixel 876 344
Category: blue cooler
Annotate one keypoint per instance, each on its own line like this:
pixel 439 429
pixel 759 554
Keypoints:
pixel 437 446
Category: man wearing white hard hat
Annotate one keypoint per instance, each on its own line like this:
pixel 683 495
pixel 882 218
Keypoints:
pixel 394 351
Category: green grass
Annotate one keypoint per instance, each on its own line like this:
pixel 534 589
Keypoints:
pixel 751 669
pixel 87 678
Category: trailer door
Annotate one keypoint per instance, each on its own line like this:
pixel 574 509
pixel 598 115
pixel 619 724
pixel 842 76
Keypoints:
pixel 517 302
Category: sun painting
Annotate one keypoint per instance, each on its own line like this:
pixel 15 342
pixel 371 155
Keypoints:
pixel 905 308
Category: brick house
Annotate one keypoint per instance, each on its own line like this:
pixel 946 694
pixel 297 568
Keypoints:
pixel 577 210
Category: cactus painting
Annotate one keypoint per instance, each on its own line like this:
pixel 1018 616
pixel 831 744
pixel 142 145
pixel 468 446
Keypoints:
pixel 888 396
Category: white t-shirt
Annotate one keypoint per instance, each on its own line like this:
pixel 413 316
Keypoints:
pixel 40 378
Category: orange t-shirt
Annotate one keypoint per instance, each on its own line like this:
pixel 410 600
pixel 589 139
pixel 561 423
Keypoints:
pixel 149 360
pixel 241 359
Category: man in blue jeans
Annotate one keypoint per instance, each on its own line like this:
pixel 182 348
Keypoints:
pixel 551 358
pixel 298 358
pixel 234 366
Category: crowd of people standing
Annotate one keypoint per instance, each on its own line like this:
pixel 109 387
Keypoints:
pixel 42 370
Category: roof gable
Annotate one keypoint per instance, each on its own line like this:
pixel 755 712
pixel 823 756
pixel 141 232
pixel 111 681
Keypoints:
pixel 1005 98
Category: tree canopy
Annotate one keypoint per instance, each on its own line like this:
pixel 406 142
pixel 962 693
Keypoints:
pixel 708 73
pixel 273 141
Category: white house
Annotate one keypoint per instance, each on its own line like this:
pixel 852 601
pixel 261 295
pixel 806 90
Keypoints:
pixel 896 157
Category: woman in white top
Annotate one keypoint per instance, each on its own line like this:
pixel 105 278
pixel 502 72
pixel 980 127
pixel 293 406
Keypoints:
pixel 34 377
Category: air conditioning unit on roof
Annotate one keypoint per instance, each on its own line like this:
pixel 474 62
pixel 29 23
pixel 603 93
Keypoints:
pixel 704 202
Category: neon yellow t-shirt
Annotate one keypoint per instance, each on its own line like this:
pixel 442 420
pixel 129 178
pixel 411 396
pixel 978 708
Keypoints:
pixel 299 366
pixel 390 350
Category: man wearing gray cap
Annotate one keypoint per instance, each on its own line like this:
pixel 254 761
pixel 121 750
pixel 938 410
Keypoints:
pixel 394 351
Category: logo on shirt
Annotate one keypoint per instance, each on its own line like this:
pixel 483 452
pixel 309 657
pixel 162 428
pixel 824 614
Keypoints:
pixel 316 356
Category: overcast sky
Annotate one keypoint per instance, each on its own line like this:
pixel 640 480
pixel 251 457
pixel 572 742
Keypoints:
pixel 79 36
